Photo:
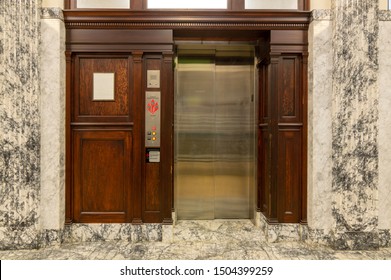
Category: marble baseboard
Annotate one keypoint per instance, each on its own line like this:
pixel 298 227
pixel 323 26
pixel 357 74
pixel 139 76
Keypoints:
pixel 283 232
pixel 106 232
pixel 51 237
pixel 318 236
pixel 384 238
pixel 233 232
pixel 217 230
pixel 17 239
pixel 356 241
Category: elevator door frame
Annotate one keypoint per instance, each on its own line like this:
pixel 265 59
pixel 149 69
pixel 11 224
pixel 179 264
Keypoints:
pixel 143 33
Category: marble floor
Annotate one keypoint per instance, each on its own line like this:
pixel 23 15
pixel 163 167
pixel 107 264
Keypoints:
pixel 197 240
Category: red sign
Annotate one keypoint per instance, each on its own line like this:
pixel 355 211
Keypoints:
pixel 153 106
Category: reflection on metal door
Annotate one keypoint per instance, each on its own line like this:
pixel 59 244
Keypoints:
pixel 214 133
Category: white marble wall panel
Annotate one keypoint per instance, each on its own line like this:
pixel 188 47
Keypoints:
pixel 319 121
pixel 355 120
pixel 384 125
pixel 19 123
pixel 52 66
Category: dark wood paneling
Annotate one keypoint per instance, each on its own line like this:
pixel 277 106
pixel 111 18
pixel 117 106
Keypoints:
pixel 304 5
pixel 138 4
pixel 138 147
pixel 289 175
pixel 264 176
pixel 264 87
pixel 152 190
pixel 288 37
pixel 119 36
pixel 281 149
pixel 167 142
pixel 304 100
pixel 102 175
pixel 189 20
pixel 149 35
pixel 88 110
pixel 264 148
pixel 152 195
pixel 289 110
pixel 68 139
pixel 273 128
pixel 236 5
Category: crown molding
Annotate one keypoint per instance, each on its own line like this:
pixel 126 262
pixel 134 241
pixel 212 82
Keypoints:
pixel 221 20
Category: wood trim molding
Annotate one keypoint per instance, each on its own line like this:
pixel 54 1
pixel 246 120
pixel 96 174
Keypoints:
pixel 209 20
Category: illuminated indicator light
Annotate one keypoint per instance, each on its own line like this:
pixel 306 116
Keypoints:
pixel 153 138
pixel 154 127
pixel 154 133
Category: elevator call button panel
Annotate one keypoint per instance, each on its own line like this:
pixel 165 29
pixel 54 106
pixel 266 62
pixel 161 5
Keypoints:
pixel 152 118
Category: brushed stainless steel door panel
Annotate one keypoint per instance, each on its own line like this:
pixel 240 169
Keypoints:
pixel 233 91
pixel 194 138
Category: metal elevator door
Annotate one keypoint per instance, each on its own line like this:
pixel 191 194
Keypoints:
pixel 214 133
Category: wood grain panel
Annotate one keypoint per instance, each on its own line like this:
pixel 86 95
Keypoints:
pixel 289 175
pixel 264 174
pixel 236 5
pixel 167 143
pixel 264 109
pixel 102 175
pixel 281 150
pixel 152 187
pixel 138 146
pixel 152 175
pixel 85 108
pixel 289 90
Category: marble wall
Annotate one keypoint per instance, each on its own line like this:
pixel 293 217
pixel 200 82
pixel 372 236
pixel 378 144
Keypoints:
pixel 355 117
pixel 384 128
pixel 319 120
pixel 20 128
pixel 52 64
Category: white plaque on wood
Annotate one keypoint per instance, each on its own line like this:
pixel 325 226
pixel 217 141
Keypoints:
pixel 103 86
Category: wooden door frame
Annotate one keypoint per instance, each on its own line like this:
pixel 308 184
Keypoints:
pixel 88 30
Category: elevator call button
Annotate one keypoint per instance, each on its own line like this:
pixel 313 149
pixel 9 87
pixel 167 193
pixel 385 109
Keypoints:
pixel 152 118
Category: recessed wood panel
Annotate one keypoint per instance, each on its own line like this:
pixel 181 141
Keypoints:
pixel 264 174
pixel 152 187
pixel 264 109
pixel 289 175
pixel 289 90
pixel 102 175
pixel 87 108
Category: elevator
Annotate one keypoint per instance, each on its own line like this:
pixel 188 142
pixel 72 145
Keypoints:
pixel 215 131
